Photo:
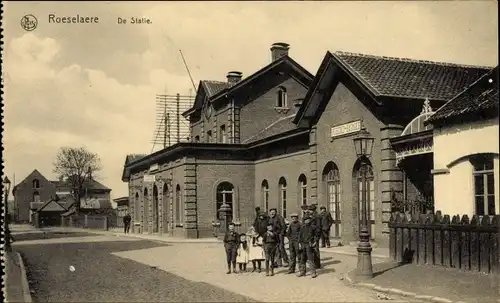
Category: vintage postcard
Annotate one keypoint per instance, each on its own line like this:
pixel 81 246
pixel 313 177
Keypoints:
pixel 250 151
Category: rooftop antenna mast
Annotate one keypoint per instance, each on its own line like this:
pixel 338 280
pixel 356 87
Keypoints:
pixel 187 68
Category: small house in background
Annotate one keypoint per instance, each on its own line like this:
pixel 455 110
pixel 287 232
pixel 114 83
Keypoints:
pixel 49 214
pixel 35 190
pixel 121 209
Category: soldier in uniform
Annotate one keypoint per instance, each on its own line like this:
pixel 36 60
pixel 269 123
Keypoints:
pixel 293 242
pixel 307 241
pixel 316 223
pixel 231 239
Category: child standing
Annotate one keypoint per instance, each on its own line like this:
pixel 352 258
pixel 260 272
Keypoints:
pixel 271 241
pixel 243 251
pixel 256 253
pixel 231 246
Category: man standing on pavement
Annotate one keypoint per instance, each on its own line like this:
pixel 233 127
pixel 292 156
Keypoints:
pixel 316 224
pixel 127 219
pixel 279 227
pixel 326 224
pixel 307 242
pixel 292 234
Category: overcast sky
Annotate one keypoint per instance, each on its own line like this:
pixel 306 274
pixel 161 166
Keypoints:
pixel 94 85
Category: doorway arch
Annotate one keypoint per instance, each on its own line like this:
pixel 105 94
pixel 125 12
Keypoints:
pixel 370 195
pixel 331 180
pixel 145 211
pixel 166 208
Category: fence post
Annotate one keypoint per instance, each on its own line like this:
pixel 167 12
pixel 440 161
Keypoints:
pixel 86 222
pixel 105 222
pixel 392 237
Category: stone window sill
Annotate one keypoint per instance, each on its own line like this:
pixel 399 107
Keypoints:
pixel 282 110
pixel 179 225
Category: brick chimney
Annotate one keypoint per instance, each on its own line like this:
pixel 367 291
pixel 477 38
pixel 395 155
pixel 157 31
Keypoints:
pixel 234 77
pixel 279 50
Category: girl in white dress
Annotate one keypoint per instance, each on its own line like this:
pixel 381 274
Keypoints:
pixel 256 254
pixel 242 253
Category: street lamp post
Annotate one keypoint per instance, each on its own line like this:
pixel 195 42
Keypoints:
pixel 363 144
pixel 6 185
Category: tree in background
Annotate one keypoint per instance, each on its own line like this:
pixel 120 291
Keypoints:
pixel 76 166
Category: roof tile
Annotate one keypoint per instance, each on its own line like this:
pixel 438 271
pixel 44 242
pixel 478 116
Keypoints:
pixel 281 125
pixel 408 78
pixel 214 87
pixel 480 96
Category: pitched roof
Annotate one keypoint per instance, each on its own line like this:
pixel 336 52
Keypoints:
pixel 478 98
pixel 51 205
pixel 408 78
pixel 387 77
pixel 214 87
pixel 222 87
pixel 35 173
pixel 281 125
pixel 66 185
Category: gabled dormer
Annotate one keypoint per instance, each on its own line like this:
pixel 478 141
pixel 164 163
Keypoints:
pixel 241 110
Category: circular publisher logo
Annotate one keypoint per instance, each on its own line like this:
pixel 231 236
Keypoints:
pixel 29 22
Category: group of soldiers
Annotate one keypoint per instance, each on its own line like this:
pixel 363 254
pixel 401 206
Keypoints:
pixel 303 237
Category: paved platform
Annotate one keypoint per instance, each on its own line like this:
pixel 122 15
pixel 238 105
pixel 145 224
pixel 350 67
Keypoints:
pixel 206 263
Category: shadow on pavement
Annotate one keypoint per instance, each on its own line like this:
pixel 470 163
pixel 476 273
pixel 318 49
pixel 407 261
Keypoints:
pixel 42 235
pixel 437 281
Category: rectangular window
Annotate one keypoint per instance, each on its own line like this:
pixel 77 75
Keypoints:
pixel 209 136
pixel 484 185
pixel 197 139
pixel 222 134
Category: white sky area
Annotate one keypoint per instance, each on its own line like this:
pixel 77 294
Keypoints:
pixel 94 85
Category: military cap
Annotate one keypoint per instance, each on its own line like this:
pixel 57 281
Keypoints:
pixel 312 207
pixel 304 207
pixel 294 215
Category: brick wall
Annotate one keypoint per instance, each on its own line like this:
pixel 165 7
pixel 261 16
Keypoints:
pixel 345 107
pixel 261 112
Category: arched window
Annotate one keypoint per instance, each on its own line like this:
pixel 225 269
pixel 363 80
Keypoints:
pixel 225 194
pixel 331 177
pixel 145 211
pixel 136 207
pixel 484 184
pixel 156 212
pixel 179 209
pixel 282 188
pixel 36 196
pixel 36 184
pixel 281 98
pixel 265 195
pixel 303 189
pixel 165 201
pixel 370 195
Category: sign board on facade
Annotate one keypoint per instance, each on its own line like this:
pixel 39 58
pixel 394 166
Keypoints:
pixel 154 167
pixel 346 128
pixel 149 178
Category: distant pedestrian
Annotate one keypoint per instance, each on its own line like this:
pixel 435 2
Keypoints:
pixel 231 245
pixel 256 250
pixel 271 241
pixel 127 219
pixel 307 244
pixel 293 242
pixel 326 224
pixel 242 253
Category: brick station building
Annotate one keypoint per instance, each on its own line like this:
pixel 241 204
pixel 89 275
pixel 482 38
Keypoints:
pixel 281 138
